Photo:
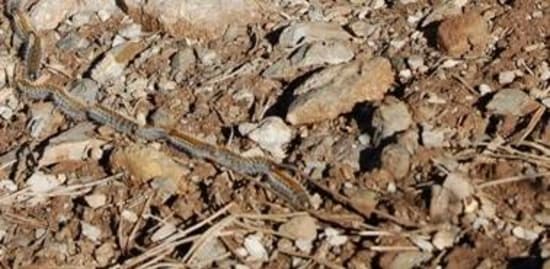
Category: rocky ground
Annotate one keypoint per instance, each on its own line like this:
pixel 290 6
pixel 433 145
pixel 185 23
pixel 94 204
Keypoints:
pixel 420 128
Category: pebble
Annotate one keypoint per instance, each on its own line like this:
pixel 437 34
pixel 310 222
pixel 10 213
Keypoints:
pixel 183 60
pixel 73 41
pixel 272 134
pixel 506 77
pixel 457 35
pixel 433 138
pixel 300 227
pixel 336 89
pixel 86 89
pixel 397 160
pixel 7 185
pixel 76 150
pixel 512 102
pixel 422 243
pixel 104 254
pixel 8 103
pixel 334 238
pixel 415 62
pixel 484 89
pixel 458 185
pixel 255 248
pixel 113 63
pixel 308 32
pixel 444 238
pixel 42 183
pixel 43 119
pixel 90 231
pixel 146 163
pixel 391 117
pixel 129 216
pixel 323 52
pixel 190 18
pixel 524 234
pixel 95 200
pixel 47 14
pixel 408 260
pixel 363 29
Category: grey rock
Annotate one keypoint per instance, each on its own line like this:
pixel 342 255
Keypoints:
pixel 307 32
pixel 87 90
pixel 183 60
pixel 73 41
pixel 512 102
pixel 391 117
pixel 336 89
pixel 397 160
pixel 324 52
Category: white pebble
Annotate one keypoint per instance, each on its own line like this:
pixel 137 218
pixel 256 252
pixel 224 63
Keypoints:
pixel 253 245
pixel 524 234
pixel 90 231
pixel 129 216
pixel 506 77
pixel 484 89
pixel 95 200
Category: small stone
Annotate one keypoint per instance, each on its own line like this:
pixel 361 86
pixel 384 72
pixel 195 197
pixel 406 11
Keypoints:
pixel 336 89
pixel 146 163
pixel 363 29
pixel 457 35
pixel 42 117
pixel 433 138
pixel 272 134
pixel 129 216
pixel 95 200
pixel 104 254
pixel 90 231
pixel 484 89
pixel 42 183
pixel 255 249
pixel 47 14
pixel 87 90
pixel 334 237
pixel 415 62
pixel 75 150
pixel 308 32
pixel 512 102
pixel 131 31
pixel 183 60
pixel 319 53
pixel 300 227
pixel 397 160
pixel 405 74
pixel 444 239
pixel 114 61
pixel 190 18
pixel 458 185
pixel 391 117
pixel 524 234
pixel 72 41
pixel 422 243
pixel 7 185
pixel 506 77
pixel 408 260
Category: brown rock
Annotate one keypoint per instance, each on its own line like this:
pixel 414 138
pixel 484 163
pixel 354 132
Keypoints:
pixel 145 163
pixel 196 18
pixel 460 34
pixel 337 89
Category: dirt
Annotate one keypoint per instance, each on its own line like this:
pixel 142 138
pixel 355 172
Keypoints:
pixel 353 188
